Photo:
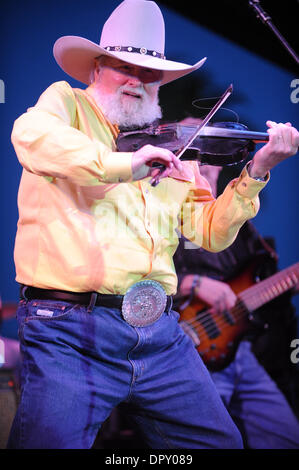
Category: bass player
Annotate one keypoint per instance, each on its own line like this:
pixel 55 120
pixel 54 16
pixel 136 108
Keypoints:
pixel 254 399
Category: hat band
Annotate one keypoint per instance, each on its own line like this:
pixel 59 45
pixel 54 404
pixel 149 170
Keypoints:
pixel 139 50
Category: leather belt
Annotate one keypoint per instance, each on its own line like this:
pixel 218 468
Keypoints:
pixel 142 305
pixel 82 298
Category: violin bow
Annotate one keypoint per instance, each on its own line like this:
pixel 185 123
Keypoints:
pixel 199 128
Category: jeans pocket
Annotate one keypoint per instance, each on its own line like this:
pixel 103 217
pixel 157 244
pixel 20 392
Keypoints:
pixel 36 313
pixel 48 310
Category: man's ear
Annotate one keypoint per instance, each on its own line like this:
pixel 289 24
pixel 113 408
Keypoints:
pixel 97 65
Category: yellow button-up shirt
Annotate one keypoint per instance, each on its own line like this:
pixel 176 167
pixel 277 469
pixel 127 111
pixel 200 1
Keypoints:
pixel 84 225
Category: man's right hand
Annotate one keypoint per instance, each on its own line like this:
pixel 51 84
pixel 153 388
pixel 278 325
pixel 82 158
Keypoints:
pixel 148 154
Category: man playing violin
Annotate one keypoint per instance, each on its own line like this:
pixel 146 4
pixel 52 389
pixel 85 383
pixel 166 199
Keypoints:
pixel 95 242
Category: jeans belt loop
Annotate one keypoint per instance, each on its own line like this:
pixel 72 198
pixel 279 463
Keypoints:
pixel 92 302
pixel 170 306
pixel 23 292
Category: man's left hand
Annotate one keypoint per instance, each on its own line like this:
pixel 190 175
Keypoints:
pixel 283 143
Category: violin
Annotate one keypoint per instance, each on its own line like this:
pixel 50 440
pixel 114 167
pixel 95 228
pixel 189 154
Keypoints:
pixel 219 143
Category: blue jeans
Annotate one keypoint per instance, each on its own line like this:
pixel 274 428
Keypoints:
pixel 257 405
pixel 78 366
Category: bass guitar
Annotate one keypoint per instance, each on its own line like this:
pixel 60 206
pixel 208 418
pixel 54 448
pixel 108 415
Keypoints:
pixel 216 336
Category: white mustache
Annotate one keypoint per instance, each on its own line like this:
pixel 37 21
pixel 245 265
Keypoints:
pixel 132 91
pixel 130 112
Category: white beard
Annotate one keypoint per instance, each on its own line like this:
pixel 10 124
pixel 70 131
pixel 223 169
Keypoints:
pixel 126 111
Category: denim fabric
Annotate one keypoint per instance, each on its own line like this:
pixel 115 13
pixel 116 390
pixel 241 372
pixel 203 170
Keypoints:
pixel 78 366
pixel 259 408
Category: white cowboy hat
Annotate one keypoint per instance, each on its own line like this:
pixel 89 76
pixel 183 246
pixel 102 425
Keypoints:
pixel 134 33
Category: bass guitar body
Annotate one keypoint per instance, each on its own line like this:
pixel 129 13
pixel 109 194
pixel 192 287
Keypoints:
pixel 216 336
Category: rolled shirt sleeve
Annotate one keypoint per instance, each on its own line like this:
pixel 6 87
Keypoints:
pixel 214 224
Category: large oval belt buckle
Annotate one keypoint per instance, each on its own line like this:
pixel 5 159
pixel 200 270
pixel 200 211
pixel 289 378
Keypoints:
pixel 143 303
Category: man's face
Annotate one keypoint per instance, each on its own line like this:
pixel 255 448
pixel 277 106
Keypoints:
pixel 117 73
pixel 128 93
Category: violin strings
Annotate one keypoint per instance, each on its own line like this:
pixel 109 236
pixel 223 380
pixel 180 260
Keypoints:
pixel 171 126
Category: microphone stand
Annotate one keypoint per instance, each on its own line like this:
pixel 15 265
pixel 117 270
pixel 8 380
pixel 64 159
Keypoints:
pixel 266 19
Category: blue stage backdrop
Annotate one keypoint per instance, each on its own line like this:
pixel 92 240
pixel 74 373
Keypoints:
pixel 262 91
